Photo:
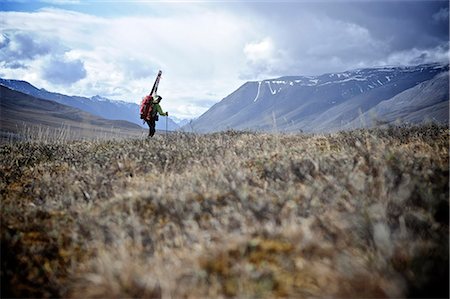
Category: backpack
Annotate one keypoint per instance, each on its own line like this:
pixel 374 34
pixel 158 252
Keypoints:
pixel 146 107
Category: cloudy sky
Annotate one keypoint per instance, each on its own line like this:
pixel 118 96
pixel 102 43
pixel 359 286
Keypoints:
pixel 207 49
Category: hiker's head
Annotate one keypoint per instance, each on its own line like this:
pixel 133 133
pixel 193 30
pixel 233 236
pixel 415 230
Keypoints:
pixel 157 99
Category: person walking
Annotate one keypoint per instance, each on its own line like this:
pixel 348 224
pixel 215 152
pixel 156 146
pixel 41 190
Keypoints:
pixel 155 110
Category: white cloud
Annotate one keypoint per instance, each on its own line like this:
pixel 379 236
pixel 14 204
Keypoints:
pixel 310 45
pixel 260 51
pixel 418 56
pixel 323 45
pixel 187 109
pixel 263 59
pixel 198 53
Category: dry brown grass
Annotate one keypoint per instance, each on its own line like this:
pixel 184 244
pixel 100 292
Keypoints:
pixel 64 132
pixel 236 214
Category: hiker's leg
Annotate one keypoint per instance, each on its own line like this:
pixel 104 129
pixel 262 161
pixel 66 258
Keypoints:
pixel 151 125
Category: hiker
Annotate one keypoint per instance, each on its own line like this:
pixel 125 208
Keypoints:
pixel 156 109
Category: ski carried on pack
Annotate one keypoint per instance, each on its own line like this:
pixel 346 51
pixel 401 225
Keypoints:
pixel 146 103
pixel 155 85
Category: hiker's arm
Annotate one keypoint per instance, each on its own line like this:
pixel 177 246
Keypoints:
pixel 159 110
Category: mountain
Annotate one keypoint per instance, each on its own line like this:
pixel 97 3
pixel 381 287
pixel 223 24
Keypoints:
pixel 21 112
pixel 428 100
pixel 322 103
pixel 180 121
pixel 97 105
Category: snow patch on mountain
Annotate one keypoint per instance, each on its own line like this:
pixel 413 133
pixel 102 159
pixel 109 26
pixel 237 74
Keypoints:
pixel 181 121
pixel 273 92
pixel 259 89
pixel 100 99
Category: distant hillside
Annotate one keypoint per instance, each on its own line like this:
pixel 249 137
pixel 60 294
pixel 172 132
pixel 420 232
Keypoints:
pixel 322 103
pixel 427 101
pixel 21 112
pixel 97 105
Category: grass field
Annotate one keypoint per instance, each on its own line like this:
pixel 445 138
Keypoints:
pixel 235 214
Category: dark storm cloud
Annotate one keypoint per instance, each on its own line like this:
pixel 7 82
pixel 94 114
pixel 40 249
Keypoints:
pixel 59 70
pixel 405 24
pixel 15 65
pixel 15 46
pixel 324 36
pixel 18 50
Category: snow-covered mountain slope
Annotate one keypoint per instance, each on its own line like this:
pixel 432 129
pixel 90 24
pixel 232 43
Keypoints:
pixel 97 105
pixel 427 101
pixel 180 121
pixel 311 103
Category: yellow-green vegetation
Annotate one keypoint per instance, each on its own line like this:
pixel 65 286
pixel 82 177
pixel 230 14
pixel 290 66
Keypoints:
pixel 236 214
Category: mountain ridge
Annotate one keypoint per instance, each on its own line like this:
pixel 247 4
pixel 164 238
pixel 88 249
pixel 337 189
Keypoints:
pixel 319 103
pixel 97 105
pixel 20 112
pixel 406 106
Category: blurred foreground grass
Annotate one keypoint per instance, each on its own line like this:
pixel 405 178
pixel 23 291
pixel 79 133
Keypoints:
pixel 353 214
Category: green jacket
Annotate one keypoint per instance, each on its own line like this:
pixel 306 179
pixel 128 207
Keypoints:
pixel 157 109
